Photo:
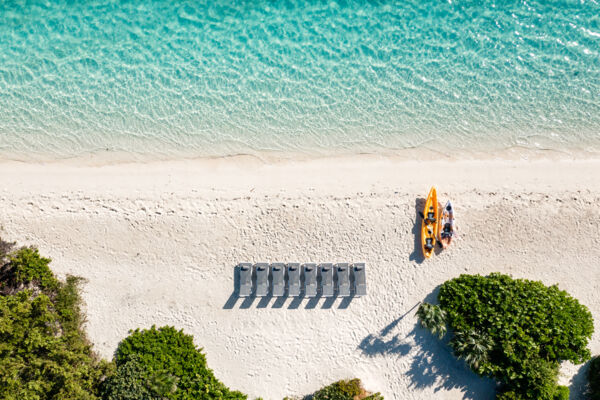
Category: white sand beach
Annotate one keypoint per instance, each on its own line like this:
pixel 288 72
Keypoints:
pixel 158 243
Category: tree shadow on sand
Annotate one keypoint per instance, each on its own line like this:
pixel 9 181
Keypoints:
pixel 433 364
pixel 579 387
pixel 383 343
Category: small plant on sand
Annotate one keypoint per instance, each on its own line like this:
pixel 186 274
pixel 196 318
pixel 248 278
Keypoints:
pixel 594 378
pixel 345 390
pixel 514 330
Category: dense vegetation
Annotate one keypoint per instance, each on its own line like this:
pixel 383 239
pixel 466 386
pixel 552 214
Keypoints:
pixel 345 390
pixel 44 353
pixel 171 365
pixel 594 378
pixel 514 330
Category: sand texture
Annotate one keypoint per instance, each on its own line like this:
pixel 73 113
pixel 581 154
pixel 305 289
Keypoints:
pixel 158 244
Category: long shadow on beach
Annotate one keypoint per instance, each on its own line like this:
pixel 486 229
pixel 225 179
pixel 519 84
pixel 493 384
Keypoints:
pixel 383 343
pixel 435 366
pixel 433 363
pixel 417 254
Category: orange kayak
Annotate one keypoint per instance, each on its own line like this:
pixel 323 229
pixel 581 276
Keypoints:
pixel 429 224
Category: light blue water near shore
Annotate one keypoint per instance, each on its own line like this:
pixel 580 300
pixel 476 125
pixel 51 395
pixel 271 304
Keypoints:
pixel 211 78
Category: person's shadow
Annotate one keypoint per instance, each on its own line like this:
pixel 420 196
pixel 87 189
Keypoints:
pixel 417 254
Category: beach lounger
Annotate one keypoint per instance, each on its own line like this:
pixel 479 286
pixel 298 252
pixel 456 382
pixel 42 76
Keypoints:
pixel 277 278
pixel 326 272
pixel 245 271
pixel 360 279
pixel 310 279
pixel 342 273
pixel 293 279
pixel 262 279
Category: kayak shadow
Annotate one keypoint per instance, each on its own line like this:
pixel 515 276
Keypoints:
pixel 417 254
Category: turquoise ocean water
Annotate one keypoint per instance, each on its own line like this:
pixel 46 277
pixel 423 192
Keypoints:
pixel 213 78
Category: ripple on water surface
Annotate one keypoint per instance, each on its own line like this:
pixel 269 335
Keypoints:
pixel 167 78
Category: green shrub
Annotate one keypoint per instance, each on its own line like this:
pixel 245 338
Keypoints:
pixel 168 355
pixel 44 354
pixel 345 390
pixel 538 379
pixel 594 378
pixel 129 383
pixel 509 395
pixel 433 318
pixel 561 393
pixel 37 360
pixel 515 330
pixel 29 267
pixel 66 303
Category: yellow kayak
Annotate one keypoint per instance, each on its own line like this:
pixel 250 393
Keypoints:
pixel 429 225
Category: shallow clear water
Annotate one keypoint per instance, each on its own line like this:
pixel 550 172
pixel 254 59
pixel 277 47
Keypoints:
pixel 169 78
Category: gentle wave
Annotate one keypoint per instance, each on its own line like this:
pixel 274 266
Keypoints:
pixel 163 78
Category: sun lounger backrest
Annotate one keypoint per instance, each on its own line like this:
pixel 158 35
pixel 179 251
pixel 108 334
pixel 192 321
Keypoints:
pixel 262 279
pixel 277 277
pixel 309 272
pixel 342 275
pixel 326 273
pixel 293 279
pixel 245 279
pixel 360 279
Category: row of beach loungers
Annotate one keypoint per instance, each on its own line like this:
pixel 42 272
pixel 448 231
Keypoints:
pixel 326 279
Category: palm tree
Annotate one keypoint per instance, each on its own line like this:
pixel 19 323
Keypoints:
pixel 433 318
pixel 473 347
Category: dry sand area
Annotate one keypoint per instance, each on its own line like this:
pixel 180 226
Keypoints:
pixel 158 243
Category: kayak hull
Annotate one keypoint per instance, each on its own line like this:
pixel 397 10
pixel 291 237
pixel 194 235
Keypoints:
pixel 430 224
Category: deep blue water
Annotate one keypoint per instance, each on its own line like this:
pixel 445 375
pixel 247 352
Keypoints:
pixel 171 78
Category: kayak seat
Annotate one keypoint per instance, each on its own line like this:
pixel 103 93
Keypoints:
pixel 430 218
pixel 429 244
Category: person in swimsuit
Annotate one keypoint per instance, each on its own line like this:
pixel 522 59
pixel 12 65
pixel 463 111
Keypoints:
pixel 448 230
